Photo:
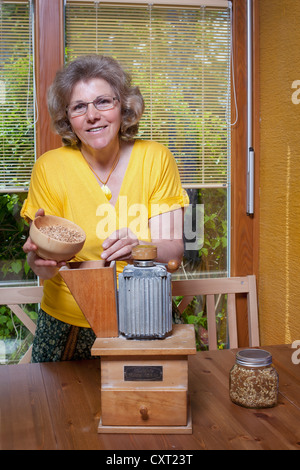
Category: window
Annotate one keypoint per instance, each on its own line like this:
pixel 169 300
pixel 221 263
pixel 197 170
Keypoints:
pixel 17 155
pixel 17 146
pixel 179 56
pixel 81 20
pixel 16 134
pixel 16 96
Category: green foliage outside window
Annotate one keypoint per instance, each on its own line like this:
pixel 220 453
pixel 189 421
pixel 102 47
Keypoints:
pixel 14 269
pixel 210 260
pixel 13 265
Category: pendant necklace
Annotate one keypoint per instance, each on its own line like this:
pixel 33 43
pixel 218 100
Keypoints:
pixel 104 186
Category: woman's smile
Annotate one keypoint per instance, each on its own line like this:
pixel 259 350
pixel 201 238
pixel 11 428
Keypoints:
pixel 96 129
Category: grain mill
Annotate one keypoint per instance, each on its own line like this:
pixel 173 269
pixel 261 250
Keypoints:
pixel 143 356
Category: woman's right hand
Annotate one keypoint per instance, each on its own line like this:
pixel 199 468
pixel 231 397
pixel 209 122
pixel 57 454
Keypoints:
pixel 45 269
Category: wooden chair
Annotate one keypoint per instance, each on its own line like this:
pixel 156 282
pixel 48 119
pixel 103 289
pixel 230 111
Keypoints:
pixel 230 286
pixel 14 298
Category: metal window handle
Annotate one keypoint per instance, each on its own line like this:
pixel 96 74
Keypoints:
pixel 250 182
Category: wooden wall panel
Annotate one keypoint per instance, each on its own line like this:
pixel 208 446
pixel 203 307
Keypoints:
pixel 280 171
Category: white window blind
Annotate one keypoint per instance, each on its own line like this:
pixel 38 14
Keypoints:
pixel 17 149
pixel 179 56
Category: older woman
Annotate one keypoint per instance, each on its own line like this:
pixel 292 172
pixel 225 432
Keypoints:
pixel 122 191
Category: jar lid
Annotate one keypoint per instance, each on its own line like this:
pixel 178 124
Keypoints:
pixel 253 358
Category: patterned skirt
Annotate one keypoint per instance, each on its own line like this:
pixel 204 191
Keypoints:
pixel 55 340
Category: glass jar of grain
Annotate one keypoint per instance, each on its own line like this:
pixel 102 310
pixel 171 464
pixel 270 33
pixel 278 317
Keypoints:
pixel 253 379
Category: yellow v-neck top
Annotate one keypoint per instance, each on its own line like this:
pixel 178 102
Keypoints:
pixel 63 185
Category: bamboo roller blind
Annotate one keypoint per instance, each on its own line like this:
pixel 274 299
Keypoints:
pixel 179 56
pixel 17 147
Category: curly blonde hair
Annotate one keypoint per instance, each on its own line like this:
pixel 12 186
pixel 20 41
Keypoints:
pixel 85 68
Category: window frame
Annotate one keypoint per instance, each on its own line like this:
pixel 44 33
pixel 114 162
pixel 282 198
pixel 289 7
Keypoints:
pixel 244 228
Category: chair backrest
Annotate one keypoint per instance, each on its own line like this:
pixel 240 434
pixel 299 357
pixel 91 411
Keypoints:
pixel 231 286
pixel 14 298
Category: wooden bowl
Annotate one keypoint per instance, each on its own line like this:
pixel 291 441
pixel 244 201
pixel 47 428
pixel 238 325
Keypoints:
pixel 52 248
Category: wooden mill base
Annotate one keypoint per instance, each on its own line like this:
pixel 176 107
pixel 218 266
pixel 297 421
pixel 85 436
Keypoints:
pixel 144 383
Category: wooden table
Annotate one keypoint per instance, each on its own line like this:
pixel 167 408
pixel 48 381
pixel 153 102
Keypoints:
pixel 57 406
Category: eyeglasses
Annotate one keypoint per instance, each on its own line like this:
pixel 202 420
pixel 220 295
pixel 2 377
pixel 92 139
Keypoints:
pixel 101 103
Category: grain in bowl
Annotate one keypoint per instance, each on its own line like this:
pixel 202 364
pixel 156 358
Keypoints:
pixel 56 238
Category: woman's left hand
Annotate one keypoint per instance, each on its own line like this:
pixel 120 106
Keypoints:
pixel 118 246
